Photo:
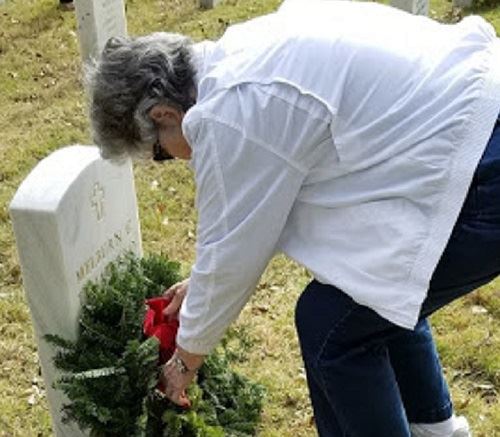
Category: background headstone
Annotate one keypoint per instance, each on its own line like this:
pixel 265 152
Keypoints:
pixel 72 215
pixel 209 4
pixel 97 21
pixel 462 3
pixel 417 7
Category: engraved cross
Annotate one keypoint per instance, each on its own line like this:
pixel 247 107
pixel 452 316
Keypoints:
pixel 97 200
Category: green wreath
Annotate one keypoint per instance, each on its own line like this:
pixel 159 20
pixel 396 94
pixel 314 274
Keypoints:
pixel 110 372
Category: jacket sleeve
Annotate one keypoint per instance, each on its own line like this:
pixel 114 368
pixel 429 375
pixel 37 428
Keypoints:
pixel 245 191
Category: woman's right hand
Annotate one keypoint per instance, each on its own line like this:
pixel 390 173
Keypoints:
pixel 177 293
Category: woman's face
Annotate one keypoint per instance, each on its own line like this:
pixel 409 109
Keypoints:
pixel 170 136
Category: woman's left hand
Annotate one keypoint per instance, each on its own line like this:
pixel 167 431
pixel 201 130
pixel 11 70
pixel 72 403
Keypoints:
pixel 176 293
pixel 178 373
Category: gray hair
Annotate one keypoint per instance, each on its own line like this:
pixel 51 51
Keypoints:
pixel 131 76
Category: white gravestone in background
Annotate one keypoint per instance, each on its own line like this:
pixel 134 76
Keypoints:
pixel 462 3
pixel 416 7
pixel 97 21
pixel 72 215
pixel 209 4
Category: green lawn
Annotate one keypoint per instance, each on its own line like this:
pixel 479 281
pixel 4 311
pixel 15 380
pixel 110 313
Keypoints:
pixel 43 107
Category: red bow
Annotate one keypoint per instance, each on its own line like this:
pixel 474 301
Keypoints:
pixel 159 325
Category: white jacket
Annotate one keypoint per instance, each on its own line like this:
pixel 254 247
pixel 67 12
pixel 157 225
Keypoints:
pixel 343 134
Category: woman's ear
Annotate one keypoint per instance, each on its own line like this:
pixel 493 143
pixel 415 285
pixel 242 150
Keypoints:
pixel 164 115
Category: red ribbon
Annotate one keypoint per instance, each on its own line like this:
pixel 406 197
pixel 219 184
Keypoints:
pixel 162 327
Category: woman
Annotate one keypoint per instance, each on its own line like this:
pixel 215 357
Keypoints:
pixel 348 136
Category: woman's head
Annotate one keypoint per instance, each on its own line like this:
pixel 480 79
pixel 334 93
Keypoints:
pixel 132 76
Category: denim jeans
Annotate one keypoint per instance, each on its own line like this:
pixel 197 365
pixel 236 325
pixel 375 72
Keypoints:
pixel 370 378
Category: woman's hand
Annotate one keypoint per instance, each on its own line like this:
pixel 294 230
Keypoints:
pixel 177 293
pixel 178 373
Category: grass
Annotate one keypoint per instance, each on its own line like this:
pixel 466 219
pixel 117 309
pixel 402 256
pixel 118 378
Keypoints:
pixel 43 108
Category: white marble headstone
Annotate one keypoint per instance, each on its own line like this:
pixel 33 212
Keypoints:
pixel 209 4
pixel 97 21
pixel 72 215
pixel 462 3
pixel 416 7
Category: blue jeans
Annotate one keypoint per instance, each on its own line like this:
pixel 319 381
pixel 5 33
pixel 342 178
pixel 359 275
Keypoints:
pixel 370 378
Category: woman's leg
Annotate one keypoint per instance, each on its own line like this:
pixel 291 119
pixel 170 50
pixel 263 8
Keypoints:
pixel 324 416
pixel 418 371
pixel 354 357
pixel 471 259
pixel 353 387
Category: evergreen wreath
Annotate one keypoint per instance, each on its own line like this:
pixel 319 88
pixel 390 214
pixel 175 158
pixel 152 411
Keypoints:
pixel 110 373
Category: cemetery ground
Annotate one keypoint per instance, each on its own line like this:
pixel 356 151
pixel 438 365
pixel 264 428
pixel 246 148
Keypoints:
pixel 43 108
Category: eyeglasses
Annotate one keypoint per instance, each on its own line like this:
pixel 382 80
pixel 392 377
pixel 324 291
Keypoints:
pixel 159 153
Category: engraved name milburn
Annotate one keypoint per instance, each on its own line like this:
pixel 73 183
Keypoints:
pixel 113 245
